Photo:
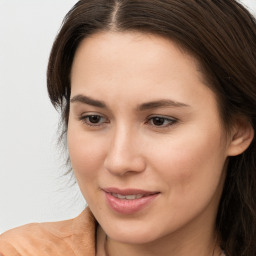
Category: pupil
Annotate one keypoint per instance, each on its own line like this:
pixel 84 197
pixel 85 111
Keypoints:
pixel 94 119
pixel 158 121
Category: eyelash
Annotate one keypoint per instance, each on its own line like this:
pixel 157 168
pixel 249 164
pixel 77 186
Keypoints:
pixel 85 120
pixel 166 121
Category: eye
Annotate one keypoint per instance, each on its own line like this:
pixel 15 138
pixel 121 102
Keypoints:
pixel 161 121
pixel 93 120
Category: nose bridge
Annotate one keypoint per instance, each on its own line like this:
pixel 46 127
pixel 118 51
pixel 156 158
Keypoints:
pixel 124 154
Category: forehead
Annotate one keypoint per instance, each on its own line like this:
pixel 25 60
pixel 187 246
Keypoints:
pixel 133 63
pixel 125 49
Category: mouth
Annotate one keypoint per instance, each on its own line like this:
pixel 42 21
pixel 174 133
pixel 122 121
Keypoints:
pixel 130 193
pixel 127 197
pixel 129 201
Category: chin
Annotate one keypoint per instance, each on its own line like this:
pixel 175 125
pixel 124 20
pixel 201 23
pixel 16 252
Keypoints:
pixel 136 235
pixel 133 239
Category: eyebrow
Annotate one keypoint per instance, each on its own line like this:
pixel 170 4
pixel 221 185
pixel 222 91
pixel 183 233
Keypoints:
pixel 87 100
pixel 161 104
pixel 144 106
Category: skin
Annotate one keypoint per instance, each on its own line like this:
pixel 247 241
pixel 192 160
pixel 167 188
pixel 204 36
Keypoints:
pixel 183 158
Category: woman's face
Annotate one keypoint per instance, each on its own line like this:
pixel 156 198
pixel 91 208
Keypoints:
pixel 145 137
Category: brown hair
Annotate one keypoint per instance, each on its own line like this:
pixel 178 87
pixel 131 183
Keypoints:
pixel 221 35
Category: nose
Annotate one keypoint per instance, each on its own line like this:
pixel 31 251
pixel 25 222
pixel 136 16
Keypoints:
pixel 125 154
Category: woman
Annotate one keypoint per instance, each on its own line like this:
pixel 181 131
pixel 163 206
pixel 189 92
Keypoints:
pixel 158 102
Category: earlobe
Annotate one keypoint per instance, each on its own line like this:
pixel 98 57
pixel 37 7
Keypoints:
pixel 241 137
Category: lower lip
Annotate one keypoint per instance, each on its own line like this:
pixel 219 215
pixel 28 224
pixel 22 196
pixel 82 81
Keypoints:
pixel 125 206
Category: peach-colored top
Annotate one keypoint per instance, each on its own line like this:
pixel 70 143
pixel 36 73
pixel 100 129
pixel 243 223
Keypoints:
pixel 75 237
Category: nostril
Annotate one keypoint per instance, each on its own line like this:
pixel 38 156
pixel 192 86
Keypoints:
pixel 122 166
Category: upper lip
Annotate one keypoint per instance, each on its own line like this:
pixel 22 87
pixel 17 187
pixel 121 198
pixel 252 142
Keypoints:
pixel 129 191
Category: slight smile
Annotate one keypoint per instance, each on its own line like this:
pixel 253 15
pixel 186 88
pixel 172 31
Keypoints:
pixel 128 201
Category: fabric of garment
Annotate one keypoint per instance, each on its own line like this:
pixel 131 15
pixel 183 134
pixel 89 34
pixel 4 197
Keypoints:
pixel 74 237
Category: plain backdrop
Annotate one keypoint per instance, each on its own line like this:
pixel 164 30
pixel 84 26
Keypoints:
pixel 32 185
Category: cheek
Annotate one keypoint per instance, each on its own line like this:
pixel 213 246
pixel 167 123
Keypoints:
pixel 191 177
pixel 86 156
pixel 191 164
pixel 86 153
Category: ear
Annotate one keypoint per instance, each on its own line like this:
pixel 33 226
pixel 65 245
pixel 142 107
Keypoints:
pixel 242 135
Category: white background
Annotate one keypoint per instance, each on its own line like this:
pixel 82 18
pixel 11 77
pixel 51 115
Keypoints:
pixel 32 188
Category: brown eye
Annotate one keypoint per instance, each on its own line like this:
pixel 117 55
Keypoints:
pixel 93 120
pixel 160 121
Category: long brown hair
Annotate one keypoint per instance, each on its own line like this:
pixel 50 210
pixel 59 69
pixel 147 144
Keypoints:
pixel 221 35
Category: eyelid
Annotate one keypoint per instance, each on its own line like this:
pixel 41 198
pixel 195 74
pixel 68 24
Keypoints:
pixel 172 121
pixel 84 116
pixel 168 120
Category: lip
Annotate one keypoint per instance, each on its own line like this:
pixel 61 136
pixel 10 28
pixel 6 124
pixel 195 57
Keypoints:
pixel 124 206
